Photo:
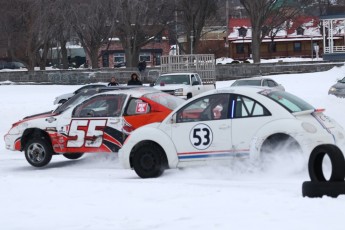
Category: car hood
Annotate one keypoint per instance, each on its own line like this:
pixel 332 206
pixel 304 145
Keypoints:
pixel 339 85
pixel 169 87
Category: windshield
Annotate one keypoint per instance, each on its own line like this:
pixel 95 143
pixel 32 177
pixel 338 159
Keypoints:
pixel 76 99
pixel 247 82
pixel 291 102
pixel 342 80
pixel 173 79
pixel 165 99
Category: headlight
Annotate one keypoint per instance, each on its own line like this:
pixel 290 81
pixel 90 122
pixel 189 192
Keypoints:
pixel 178 92
pixel 18 129
pixel 332 89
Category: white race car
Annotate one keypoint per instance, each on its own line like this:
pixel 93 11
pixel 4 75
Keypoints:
pixel 227 123
pixel 100 123
pixel 65 97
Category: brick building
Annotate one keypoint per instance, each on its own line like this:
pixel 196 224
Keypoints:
pixel 297 38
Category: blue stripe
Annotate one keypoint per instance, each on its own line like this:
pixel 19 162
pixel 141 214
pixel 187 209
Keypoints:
pixel 214 155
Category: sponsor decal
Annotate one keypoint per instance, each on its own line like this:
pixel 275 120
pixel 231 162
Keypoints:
pixel 141 107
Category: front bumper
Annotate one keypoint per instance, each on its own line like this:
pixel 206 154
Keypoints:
pixel 12 142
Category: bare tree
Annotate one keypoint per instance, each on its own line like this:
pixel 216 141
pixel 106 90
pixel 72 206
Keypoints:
pixel 194 15
pixel 92 21
pixel 269 13
pixel 62 29
pixel 139 22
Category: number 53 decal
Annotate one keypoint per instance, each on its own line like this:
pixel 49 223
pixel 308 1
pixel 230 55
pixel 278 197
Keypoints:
pixel 201 136
pixel 88 132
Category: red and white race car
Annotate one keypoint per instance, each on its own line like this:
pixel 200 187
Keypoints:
pixel 99 124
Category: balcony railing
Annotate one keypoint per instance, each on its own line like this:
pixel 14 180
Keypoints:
pixel 336 49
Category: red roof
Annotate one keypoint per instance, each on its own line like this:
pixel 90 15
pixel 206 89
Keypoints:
pixel 295 23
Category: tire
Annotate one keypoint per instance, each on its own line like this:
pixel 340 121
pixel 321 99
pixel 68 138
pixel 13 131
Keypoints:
pixel 275 143
pixel 189 96
pixel 38 152
pixel 319 189
pixel 73 156
pixel 315 164
pixel 149 161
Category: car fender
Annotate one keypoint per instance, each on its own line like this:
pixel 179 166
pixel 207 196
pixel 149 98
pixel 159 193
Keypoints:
pixel 157 136
pixel 292 128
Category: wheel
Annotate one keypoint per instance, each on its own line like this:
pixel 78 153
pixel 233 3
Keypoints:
pixel 73 156
pixel 315 164
pixel 319 189
pixel 38 152
pixel 277 143
pixel 62 101
pixel 189 96
pixel 149 161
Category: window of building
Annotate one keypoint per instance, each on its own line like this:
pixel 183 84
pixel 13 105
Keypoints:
pixel 145 57
pixel 242 32
pixel 297 46
pixel 240 48
pixel 300 31
pixel 119 58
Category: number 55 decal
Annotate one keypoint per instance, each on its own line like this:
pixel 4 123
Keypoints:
pixel 88 132
pixel 201 136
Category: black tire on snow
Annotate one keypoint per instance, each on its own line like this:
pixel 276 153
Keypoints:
pixel 73 156
pixel 149 161
pixel 315 164
pixel 38 152
pixel 319 189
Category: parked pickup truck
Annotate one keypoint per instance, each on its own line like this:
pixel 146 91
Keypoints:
pixel 184 85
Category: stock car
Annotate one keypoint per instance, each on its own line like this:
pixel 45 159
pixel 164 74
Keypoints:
pixel 65 97
pixel 100 123
pixel 246 122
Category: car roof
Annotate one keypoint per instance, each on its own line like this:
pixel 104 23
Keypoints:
pixel 134 91
pixel 254 78
pixel 179 73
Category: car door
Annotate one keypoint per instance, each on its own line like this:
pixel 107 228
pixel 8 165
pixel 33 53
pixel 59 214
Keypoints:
pixel 203 129
pixel 96 125
pixel 247 118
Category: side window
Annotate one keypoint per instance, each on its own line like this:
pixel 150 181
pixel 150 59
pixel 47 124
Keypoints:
pixel 265 83
pixel 212 107
pixel 271 83
pixel 100 106
pixel 247 107
pixel 137 106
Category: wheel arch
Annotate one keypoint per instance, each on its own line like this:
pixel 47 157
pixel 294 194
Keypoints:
pixel 32 133
pixel 157 137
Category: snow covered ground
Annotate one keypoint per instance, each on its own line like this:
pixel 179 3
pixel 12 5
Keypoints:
pixel 96 193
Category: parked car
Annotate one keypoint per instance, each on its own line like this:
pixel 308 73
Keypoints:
pixel 338 89
pixel 7 64
pixel 258 81
pixel 100 123
pixel 227 123
pixel 184 85
pixel 64 97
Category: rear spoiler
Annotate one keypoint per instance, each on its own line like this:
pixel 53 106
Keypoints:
pixel 309 111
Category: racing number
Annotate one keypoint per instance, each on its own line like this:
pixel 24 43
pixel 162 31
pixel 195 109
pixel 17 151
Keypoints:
pixel 206 136
pixel 88 131
pixel 201 136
